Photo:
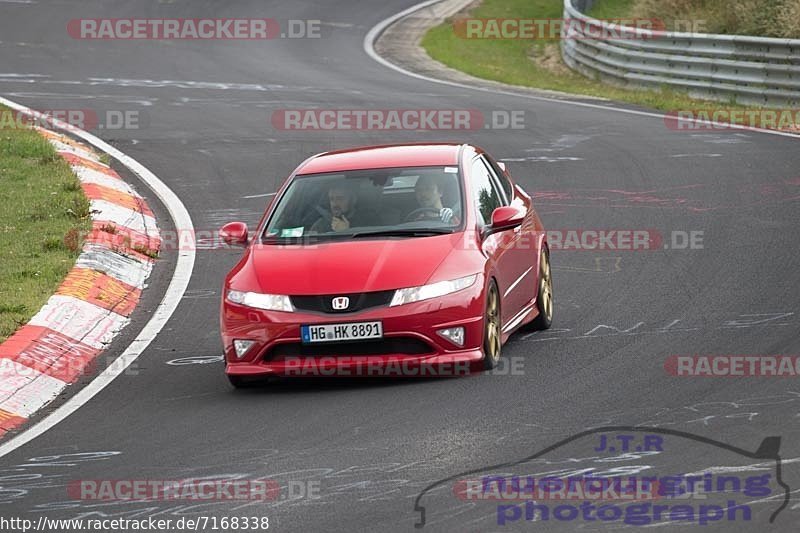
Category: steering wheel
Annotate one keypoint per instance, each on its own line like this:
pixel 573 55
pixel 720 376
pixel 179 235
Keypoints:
pixel 413 215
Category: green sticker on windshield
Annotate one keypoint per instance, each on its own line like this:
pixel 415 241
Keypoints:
pixel 292 232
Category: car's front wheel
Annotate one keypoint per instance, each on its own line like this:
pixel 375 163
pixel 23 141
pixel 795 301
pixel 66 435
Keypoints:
pixel 491 328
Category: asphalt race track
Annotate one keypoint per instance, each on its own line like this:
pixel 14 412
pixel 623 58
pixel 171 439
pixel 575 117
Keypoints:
pixel 369 447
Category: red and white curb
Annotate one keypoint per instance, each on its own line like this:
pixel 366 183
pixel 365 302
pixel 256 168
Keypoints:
pixel 93 303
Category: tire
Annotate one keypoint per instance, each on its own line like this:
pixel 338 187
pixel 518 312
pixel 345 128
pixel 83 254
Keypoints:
pixel 544 296
pixel 492 345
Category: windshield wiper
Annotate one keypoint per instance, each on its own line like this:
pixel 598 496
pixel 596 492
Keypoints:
pixel 419 232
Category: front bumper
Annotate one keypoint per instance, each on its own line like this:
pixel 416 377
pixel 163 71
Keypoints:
pixel 410 347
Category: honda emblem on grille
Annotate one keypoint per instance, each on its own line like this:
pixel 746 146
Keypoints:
pixel 341 302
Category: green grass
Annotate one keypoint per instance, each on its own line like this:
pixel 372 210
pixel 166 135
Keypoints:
pixel 538 63
pixel 764 18
pixel 42 202
pixel 611 9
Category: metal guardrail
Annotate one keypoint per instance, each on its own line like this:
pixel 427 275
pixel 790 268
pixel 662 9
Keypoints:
pixel 738 68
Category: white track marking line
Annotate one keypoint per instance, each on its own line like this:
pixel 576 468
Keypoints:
pixel 377 30
pixel 167 306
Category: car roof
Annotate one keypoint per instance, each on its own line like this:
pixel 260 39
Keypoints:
pixel 384 156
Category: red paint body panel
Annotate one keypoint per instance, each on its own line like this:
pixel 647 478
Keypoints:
pixel 403 155
pixel 345 267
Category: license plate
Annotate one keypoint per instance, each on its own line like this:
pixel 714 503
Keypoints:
pixel 352 331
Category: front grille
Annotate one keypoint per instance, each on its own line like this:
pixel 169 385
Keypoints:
pixel 358 302
pixel 386 346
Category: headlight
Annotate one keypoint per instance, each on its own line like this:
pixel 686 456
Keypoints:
pixel 434 290
pixel 270 302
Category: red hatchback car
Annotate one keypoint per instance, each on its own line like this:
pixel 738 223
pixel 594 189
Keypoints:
pixel 411 259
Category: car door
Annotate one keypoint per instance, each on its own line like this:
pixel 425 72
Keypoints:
pixel 500 247
pixel 523 251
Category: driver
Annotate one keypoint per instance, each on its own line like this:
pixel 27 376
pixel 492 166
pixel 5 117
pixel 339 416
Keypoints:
pixel 429 197
pixel 342 199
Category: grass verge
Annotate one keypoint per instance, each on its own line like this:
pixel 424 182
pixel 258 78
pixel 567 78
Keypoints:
pixel 42 202
pixel 764 18
pixel 538 63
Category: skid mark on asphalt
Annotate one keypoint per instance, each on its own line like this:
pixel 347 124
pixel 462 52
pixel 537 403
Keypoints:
pixel 45 472
pixel 730 138
pixel 602 265
pixel 753 195
pixel 742 321
pixel 564 142
pixel 678 156
pixel 540 159
pixel 118 98
pixel 160 84
pixel 265 195
pixel 390 481
pixel 706 413
pixel 613 198
pixel 197 294
pixel 362 483
pixel 218 217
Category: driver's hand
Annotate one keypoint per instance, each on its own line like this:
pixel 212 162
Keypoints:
pixel 340 223
pixel 446 214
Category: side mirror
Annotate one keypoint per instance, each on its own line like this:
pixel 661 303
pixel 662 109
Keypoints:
pixel 501 165
pixel 504 218
pixel 234 233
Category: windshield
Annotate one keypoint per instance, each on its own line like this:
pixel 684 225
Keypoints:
pixel 396 202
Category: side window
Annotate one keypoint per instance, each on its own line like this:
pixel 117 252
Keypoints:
pixel 484 193
pixel 501 178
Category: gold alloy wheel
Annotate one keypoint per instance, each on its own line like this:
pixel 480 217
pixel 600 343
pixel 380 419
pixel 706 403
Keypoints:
pixel 492 342
pixel 546 290
pixel 544 295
